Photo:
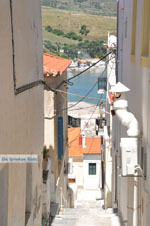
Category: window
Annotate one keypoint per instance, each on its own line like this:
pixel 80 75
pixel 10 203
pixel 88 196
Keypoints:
pixel 134 17
pixel 145 51
pixel 60 138
pixel 92 168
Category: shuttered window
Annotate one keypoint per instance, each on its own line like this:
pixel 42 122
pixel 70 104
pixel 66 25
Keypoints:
pixel 60 138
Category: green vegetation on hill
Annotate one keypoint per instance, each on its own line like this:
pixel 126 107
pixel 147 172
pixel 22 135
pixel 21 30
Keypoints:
pixel 74 34
pixel 70 21
pixel 97 7
pixel 71 35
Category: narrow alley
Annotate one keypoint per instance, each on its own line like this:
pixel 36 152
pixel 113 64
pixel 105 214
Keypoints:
pixel 88 211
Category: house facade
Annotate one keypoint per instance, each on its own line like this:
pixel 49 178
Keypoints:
pixel 56 134
pixel 109 155
pixel 131 177
pixel 84 160
pixel 78 116
pixel 22 112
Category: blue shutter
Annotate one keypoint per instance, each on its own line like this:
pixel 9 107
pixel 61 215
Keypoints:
pixel 60 138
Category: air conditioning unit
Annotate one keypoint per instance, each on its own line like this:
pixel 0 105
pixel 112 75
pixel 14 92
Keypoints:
pixel 129 155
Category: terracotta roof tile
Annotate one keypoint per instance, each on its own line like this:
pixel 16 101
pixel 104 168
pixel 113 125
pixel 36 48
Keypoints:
pixel 93 144
pixel 54 65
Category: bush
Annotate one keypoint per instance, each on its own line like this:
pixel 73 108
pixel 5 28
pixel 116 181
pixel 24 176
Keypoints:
pixel 49 46
pixel 84 30
pixel 58 32
pixel 48 28
pixel 73 35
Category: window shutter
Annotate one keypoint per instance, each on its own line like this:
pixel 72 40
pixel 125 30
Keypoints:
pixel 60 137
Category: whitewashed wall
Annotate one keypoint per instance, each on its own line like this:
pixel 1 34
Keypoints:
pixel 137 78
pixel 91 181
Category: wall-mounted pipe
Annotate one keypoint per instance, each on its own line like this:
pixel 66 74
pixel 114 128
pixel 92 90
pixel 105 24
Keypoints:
pixel 126 118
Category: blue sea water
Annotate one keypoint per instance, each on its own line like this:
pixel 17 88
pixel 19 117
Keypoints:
pixel 83 83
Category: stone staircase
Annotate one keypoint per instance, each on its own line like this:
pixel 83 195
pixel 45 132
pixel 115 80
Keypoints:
pixel 85 217
pixel 88 211
pixel 66 217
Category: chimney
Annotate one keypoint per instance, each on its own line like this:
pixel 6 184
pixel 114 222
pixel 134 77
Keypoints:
pixel 83 141
pixel 80 140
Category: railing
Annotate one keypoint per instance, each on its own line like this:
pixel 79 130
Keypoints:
pixel 62 198
pixel 59 189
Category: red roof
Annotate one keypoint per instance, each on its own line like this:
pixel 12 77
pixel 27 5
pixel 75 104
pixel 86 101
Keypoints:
pixel 54 65
pixel 93 144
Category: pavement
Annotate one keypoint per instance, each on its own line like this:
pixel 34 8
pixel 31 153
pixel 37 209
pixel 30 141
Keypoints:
pixel 88 211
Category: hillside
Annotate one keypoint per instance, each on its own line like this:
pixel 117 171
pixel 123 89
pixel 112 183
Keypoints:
pixel 97 7
pixel 73 34
pixel 67 21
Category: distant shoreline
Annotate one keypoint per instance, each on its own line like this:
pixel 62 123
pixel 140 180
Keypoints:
pixel 83 68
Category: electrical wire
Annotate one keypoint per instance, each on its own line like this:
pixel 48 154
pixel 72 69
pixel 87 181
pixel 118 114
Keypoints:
pixel 91 115
pixel 80 99
pixel 54 90
pixel 91 88
pixel 86 123
pixel 77 109
pixel 68 80
pixel 76 95
pixel 83 97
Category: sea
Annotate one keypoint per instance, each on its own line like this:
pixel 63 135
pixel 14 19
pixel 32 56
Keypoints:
pixel 86 83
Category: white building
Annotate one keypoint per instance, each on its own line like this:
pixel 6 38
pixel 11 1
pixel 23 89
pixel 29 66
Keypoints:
pixel 132 190
pixel 87 117
pixel 108 153
pixel 84 161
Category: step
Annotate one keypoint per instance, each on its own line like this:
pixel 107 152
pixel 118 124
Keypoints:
pixel 64 221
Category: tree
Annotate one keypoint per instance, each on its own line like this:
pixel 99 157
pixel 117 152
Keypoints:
pixel 58 32
pixel 84 30
pixel 48 28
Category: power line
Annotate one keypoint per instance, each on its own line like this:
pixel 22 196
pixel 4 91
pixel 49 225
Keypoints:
pixel 87 122
pixel 55 90
pixel 76 95
pixel 83 97
pixel 88 67
pixel 91 88
pixel 77 109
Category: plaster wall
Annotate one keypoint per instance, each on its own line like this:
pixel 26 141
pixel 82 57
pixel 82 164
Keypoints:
pixel 109 149
pixel 55 105
pixel 21 116
pixel 91 181
pixel 136 76
pixel 78 173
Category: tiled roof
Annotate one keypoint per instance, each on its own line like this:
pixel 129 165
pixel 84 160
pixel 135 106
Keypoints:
pixel 93 144
pixel 54 65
